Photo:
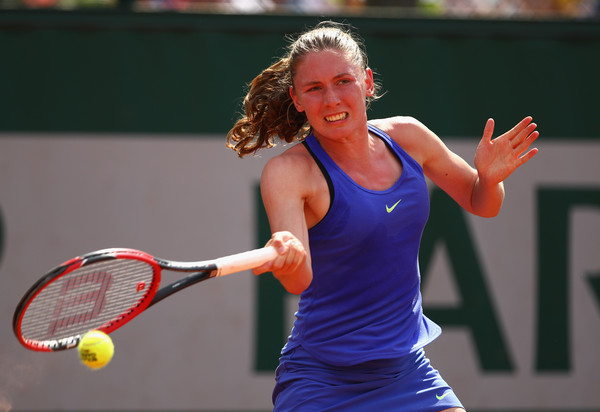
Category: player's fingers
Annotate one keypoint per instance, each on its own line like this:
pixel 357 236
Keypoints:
pixel 527 135
pixel 527 156
pixel 488 131
pixel 279 262
pixel 276 265
pixel 296 255
pixel 521 144
pixel 278 243
pixel 519 127
pixel 262 269
pixel 292 257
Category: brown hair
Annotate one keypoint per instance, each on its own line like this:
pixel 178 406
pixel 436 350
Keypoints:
pixel 270 113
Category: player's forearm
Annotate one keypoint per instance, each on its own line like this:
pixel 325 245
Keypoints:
pixel 486 199
pixel 297 281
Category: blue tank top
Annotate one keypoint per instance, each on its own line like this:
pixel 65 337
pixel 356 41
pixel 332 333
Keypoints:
pixel 364 302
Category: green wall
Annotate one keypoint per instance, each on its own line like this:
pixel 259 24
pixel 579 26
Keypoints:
pixel 184 73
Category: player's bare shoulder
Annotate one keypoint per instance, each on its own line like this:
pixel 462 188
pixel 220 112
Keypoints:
pixel 400 128
pixel 408 132
pixel 293 167
pixel 293 161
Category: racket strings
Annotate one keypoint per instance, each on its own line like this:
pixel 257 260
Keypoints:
pixel 87 298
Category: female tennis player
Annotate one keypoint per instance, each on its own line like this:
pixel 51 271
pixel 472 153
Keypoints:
pixel 347 207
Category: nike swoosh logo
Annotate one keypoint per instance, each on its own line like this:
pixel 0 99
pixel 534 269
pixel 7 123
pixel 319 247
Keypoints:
pixel 439 398
pixel 390 209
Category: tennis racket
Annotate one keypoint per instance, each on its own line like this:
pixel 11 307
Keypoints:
pixel 105 289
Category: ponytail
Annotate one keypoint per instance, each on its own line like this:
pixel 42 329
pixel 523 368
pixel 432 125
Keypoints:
pixel 269 113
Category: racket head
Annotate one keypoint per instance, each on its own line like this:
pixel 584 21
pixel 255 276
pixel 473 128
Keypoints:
pixel 100 290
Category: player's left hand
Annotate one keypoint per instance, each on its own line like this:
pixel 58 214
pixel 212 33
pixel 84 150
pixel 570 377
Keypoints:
pixel 496 159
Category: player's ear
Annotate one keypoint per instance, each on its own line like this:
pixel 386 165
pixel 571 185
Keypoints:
pixel 297 104
pixel 370 82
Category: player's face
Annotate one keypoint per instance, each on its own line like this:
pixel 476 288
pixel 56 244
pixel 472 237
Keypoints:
pixel 332 89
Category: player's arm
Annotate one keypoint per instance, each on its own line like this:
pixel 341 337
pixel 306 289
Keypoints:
pixel 479 191
pixel 284 193
pixel 456 177
pixel 495 160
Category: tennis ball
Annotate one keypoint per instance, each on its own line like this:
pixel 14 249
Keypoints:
pixel 95 349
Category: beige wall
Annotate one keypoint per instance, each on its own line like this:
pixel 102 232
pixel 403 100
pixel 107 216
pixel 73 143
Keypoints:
pixel 186 198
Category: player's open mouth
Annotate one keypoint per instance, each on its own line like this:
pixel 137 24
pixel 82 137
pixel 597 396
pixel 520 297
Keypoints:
pixel 336 117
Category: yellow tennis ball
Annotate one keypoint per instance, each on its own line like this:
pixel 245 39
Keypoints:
pixel 95 349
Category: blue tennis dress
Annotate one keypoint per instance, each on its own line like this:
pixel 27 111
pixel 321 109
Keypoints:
pixel 357 341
